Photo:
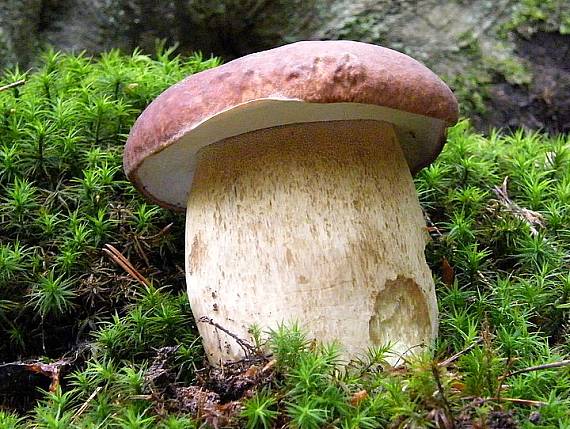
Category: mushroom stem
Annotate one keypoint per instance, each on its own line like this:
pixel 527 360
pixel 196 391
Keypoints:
pixel 317 223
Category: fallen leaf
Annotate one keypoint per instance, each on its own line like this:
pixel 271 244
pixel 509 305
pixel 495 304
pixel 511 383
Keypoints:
pixel 447 272
pixel 358 397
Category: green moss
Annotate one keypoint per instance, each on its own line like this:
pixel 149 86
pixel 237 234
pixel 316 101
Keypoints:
pixel 366 26
pixel 504 304
pixel 63 193
pixel 471 90
pixel 471 87
pixel 513 70
pixel 530 16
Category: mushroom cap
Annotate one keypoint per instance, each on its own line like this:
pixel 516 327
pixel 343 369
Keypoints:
pixel 301 82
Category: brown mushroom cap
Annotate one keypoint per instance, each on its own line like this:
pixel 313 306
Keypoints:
pixel 301 82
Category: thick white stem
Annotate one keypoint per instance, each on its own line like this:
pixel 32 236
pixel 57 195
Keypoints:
pixel 317 223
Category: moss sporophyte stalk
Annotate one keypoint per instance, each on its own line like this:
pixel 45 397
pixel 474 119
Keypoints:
pixel 129 352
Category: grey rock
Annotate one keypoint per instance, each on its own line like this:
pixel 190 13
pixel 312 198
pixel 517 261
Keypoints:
pixel 19 21
pixel 430 30
pixel 462 40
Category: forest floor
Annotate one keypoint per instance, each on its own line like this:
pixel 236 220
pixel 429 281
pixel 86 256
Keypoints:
pixel 93 304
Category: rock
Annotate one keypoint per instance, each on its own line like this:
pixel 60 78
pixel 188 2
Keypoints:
pixel 19 20
pixel 471 43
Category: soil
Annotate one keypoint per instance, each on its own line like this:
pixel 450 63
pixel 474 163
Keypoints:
pixel 215 395
pixel 545 103
pixel 472 418
pixel 20 386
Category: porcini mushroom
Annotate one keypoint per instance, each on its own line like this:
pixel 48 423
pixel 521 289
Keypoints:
pixel 295 169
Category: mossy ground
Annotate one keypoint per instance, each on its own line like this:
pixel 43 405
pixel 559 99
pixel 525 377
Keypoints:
pixel 497 209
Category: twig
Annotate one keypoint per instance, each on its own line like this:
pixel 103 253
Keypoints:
pixel 532 218
pixel 562 363
pixel 159 233
pixel 141 252
pixel 13 85
pixel 141 397
pixel 124 263
pixel 86 403
pixel 432 229
pixel 269 365
pixel 401 355
pixel 437 377
pixel 519 401
pixel 246 347
pixel 459 354
pixel 529 402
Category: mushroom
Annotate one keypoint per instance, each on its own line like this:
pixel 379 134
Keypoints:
pixel 295 169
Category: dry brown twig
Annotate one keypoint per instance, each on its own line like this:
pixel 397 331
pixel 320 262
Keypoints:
pixel 447 419
pixel 124 263
pixel 140 251
pixel 553 365
pixel 529 402
pixel 532 218
pixel 459 354
pixel 159 234
pixel 431 227
pixel 245 346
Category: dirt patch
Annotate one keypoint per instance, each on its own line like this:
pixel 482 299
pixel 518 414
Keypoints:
pixel 20 387
pixel 545 103
pixel 215 395
pixel 474 415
